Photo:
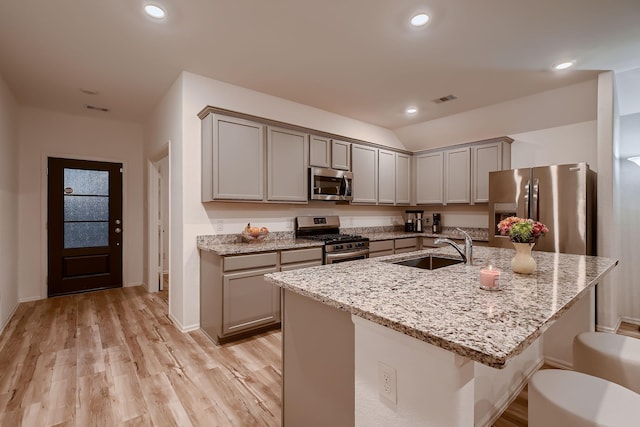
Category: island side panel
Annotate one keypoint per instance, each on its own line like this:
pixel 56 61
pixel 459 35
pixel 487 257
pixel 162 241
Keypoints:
pixel 210 295
pixel 434 387
pixel 318 364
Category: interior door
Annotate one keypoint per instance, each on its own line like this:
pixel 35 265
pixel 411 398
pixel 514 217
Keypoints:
pixel 84 226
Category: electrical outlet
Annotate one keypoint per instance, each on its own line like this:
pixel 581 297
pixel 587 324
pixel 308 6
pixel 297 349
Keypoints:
pixel 387 382
pixel 219 226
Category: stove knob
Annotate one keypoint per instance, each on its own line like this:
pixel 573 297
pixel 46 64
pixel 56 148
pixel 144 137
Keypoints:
pixel 349 246
pixel 337 247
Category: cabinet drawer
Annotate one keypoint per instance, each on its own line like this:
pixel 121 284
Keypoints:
pixel 301 255
pixel 300 265
pixel 407 243
pixel 381 245
pixel 243 262
pixel 380 253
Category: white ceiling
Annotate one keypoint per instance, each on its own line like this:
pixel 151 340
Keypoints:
pixel 357 58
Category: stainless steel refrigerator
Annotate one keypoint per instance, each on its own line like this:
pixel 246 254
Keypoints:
pixel 563 197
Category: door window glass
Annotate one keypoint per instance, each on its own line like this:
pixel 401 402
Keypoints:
pixel 86 208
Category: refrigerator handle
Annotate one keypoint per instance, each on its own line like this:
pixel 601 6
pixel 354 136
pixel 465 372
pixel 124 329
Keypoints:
pixel 527 193
pixel 534 196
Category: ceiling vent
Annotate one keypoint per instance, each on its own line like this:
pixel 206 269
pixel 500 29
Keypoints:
pixel 445 99
pixel 93 107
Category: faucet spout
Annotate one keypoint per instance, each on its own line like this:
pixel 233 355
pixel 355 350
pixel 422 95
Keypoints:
pixel 467 252
pixel 454 245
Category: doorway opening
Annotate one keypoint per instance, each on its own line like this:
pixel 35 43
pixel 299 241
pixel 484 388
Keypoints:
pixel 158 260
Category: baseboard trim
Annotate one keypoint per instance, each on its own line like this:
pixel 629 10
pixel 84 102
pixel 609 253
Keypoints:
pixel 6 321
pixel 558 363
pixel 509 398
pixel 613 330
pixel 183 329
pixel 631 320
pixel 30 299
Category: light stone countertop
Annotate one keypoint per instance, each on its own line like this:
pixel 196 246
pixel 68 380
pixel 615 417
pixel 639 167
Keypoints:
pixel 446 307
pixel 233 245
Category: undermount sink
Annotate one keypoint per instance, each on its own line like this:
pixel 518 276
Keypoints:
pixel 431 262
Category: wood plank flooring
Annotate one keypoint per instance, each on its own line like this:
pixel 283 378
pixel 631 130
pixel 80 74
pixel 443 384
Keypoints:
pixel 114 358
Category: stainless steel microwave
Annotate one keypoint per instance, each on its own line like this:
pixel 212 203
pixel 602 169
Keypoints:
pixel 330 184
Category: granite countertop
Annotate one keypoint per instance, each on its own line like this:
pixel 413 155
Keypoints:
pixel 234 245
pixel 387 235
pixel 446 307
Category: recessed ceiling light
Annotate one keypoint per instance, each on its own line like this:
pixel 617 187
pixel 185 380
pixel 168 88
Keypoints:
pixel 564 65
pixel 411 110
pixel 155 11
pixel 419 20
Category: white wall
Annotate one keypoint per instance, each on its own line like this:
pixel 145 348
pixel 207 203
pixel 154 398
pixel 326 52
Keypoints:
pixel 9 242
pixel 629 218
pixel 570 104
pixel 559 145
pixel 45 133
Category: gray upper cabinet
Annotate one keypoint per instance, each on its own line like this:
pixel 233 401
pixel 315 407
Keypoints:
pixel 232 159
pixel 403 179
pixel 287 165
pixel 340 155
pixel 430 178
pixel 487 158
pixel 457 171
pixel 386 177
pixel 364 165
pixel 319 151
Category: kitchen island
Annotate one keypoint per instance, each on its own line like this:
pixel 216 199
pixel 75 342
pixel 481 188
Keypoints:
pixel 376 343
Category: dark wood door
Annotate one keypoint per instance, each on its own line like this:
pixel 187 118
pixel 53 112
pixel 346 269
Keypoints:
pixel 84 226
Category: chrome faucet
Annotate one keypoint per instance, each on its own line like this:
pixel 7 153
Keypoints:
pixel 467 252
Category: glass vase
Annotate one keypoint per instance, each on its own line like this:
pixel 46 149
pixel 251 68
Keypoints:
pixel 523 262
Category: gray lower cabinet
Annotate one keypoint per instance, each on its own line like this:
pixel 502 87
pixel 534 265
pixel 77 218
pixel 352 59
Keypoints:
pixel 235 300
pixel 409 244
pixel 380 248
pixel 249 301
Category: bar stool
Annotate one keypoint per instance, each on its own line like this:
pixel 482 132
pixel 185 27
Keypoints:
pixel 572 399
pixel 612 357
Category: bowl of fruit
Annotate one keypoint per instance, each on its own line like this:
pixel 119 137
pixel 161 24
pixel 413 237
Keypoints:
pixel 254 234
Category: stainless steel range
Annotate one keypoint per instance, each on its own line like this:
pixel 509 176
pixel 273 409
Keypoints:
pixel 338 247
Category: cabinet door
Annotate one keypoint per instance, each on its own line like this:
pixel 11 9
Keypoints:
pixel 403 179
pixel 319 151
pixel 429 178
pixel 485 158
pixel 364 165
pixel 340 155
pixel 249 301
pixel 287 165
pixel 386 177
pixel 233 159
pixel 457 175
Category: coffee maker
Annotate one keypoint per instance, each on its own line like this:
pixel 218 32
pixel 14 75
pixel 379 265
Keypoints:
pixel 436 226
pixel 414 221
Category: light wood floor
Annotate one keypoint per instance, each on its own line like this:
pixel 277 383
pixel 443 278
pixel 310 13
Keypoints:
pixel 113 358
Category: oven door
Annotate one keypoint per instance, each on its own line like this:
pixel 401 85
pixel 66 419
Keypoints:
pixel 335 257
